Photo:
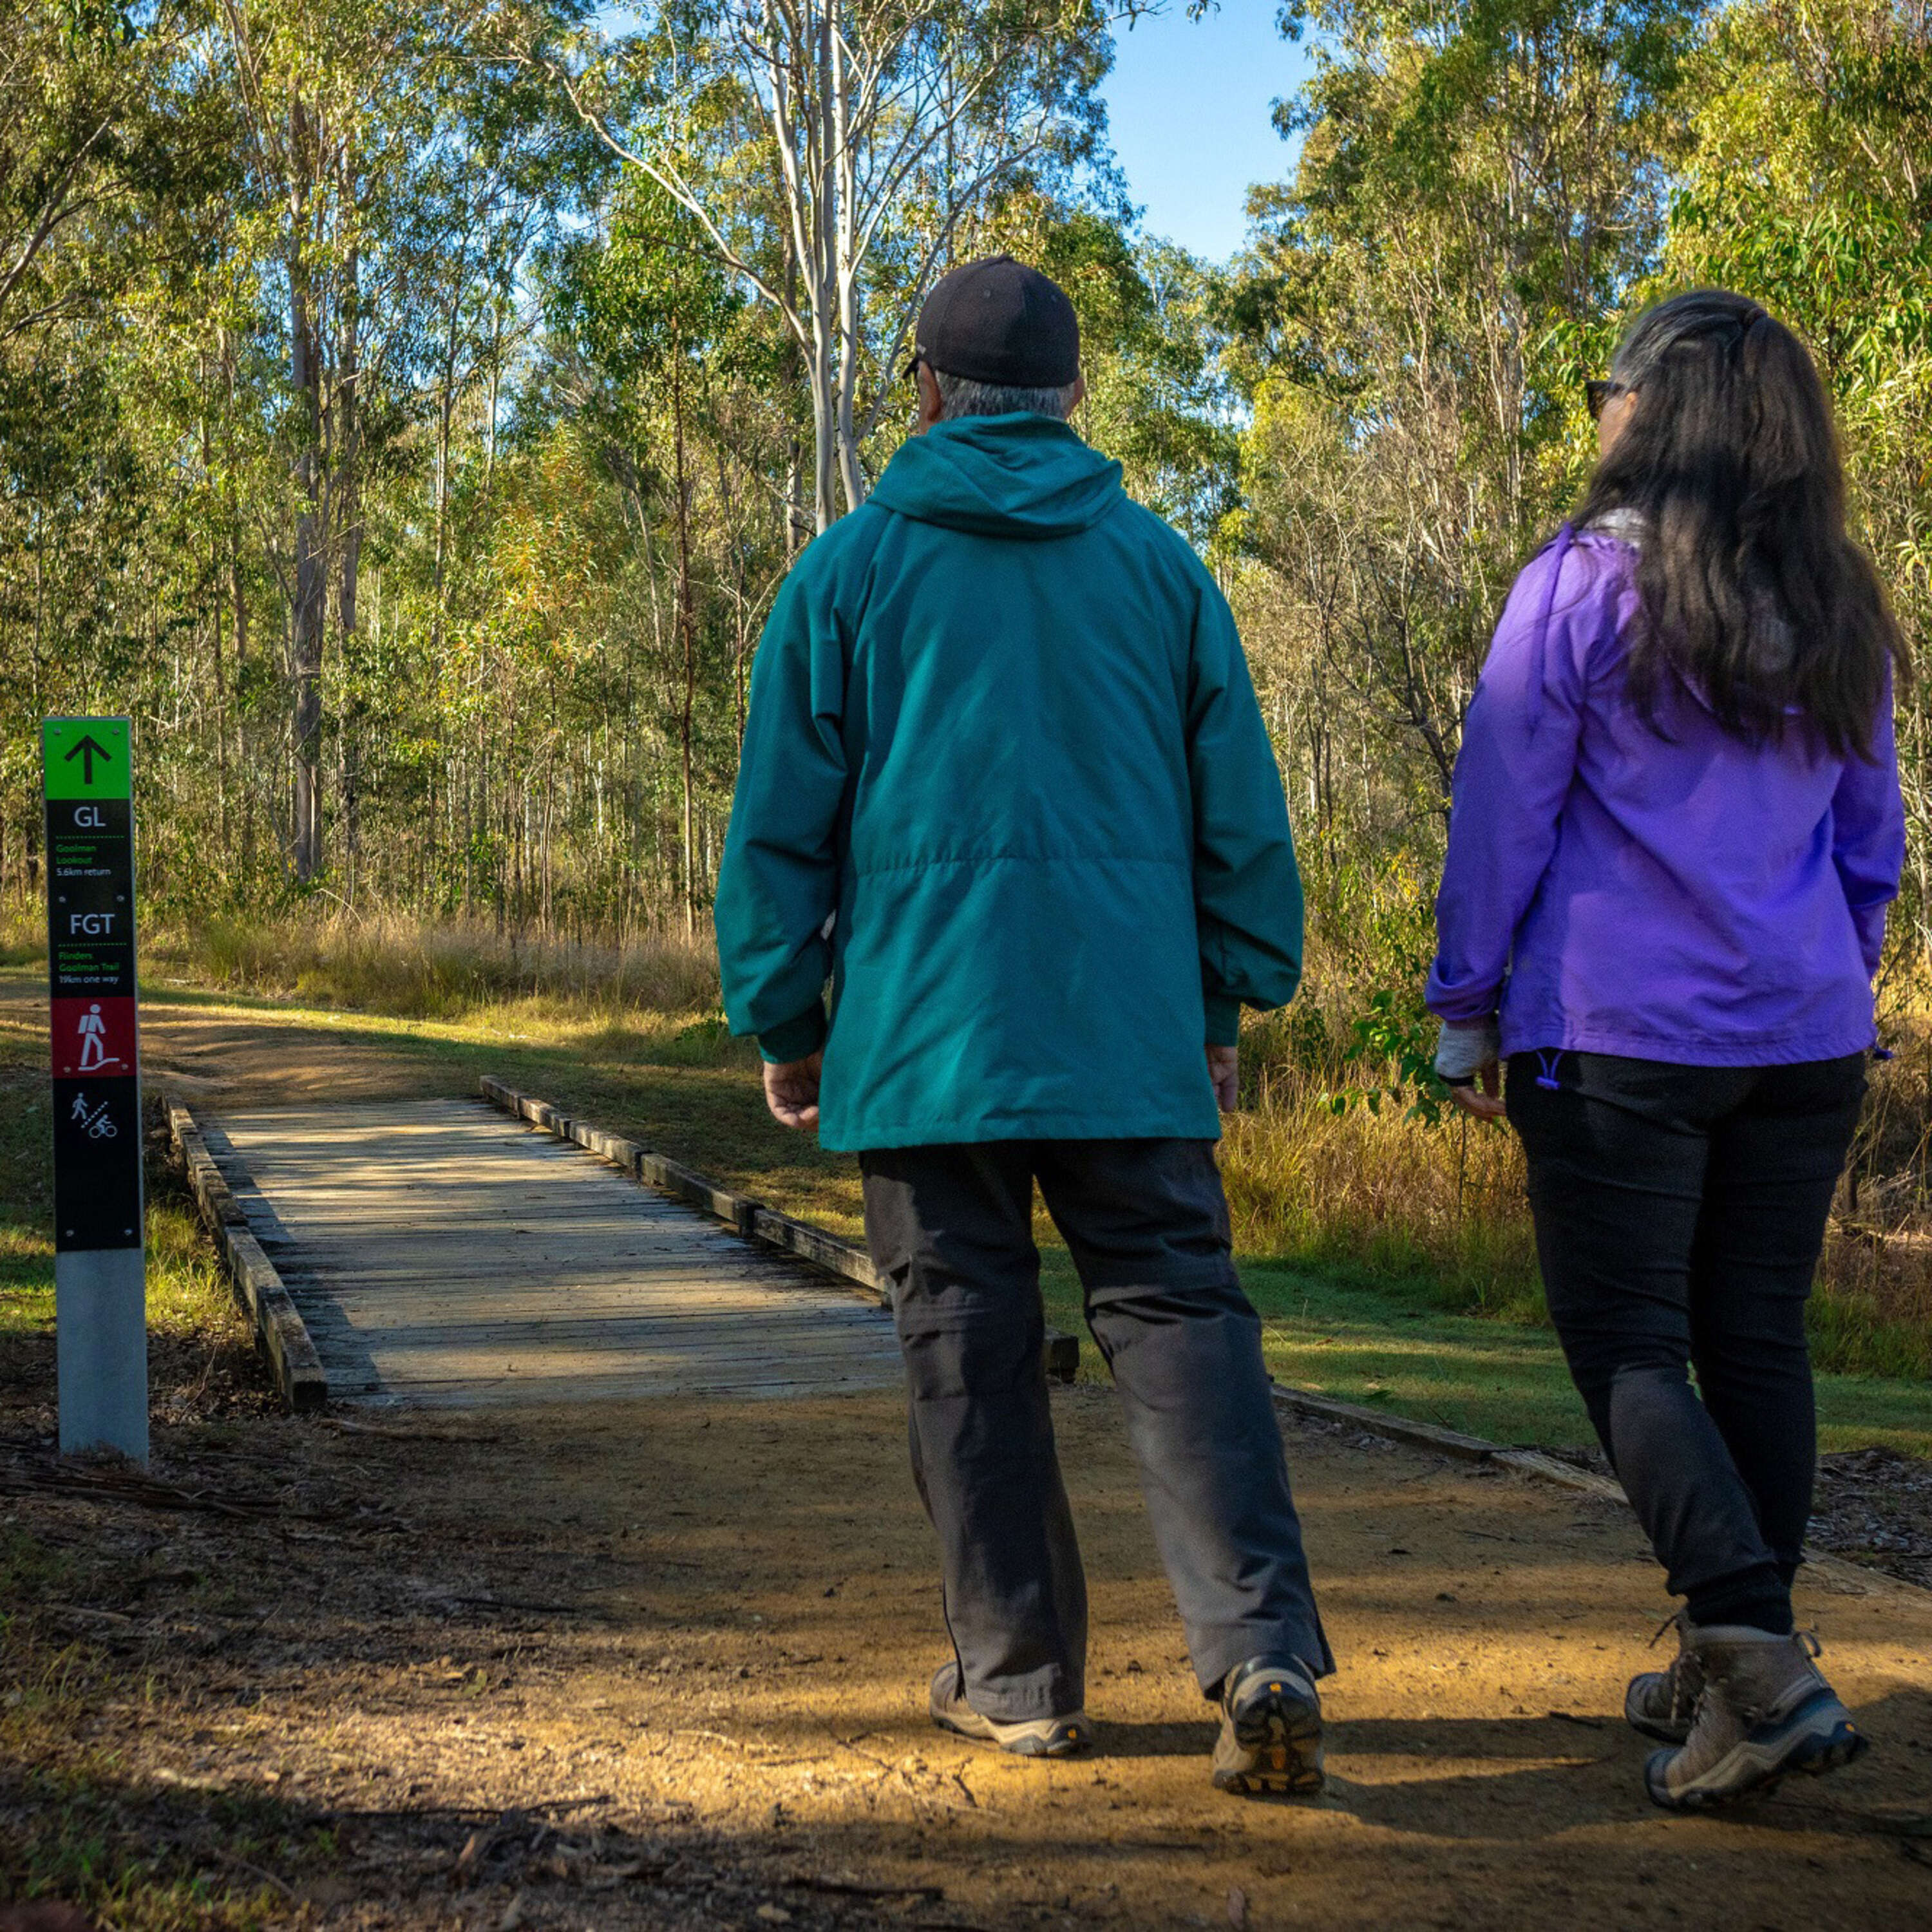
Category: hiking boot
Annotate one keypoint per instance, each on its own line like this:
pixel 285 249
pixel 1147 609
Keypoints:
pixel 1030 1737
pixel 1765 1710
pixel 1662 1704
pixel 1270 1729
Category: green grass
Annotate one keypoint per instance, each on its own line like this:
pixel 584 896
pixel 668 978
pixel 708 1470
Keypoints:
pixel 188 1302
pixel 1505 1381
pixel 679 1085
pixel 88 1827
pixel 682 1086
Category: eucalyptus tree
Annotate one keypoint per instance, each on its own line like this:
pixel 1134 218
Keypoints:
pixel 834 152
pixel 1480 182
pixel 64 83
pixel 111 147
pixel 384 193
pixel 1809 187
pixel 651 307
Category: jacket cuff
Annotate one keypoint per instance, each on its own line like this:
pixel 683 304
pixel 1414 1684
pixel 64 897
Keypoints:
pixel 795 1038
pixel 1224 1019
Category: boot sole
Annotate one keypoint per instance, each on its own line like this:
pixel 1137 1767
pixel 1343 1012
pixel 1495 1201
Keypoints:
pixel 1766 1763
pixel 1664 1734
pixel 1278 1750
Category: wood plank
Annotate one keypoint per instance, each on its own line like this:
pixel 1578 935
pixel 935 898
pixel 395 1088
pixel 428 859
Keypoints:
pixel 440 1255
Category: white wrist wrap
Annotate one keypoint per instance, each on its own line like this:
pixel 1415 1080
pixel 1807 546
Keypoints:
pixel 1465 1047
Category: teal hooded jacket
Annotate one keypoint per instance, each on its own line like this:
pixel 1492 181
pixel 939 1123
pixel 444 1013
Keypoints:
pixel 1005 784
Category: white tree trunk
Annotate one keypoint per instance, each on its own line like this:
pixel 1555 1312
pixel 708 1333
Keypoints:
pixel 871 107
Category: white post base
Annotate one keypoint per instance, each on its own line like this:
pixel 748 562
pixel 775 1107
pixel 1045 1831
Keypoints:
pixel 101 1343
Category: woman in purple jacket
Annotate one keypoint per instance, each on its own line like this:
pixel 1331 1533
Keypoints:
pixel 1677 827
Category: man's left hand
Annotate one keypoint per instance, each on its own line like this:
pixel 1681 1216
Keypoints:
pixel 1224 1068
pixel 791 1090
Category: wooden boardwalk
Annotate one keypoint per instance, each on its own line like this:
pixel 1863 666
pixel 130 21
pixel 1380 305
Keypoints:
pixel 440 1254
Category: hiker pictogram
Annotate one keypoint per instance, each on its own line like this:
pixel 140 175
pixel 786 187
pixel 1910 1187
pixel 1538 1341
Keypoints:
pixel 92 1030
pixel 96 1035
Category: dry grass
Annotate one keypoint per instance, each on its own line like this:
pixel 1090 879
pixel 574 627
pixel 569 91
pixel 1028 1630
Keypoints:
pixel 1440 1209
pixel 23 931
pixel 1873 1313
pixel 425 969
pixel 1377 1195
pixel 1368 1194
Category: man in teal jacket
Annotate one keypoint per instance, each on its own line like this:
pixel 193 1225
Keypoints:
pixel 1005 784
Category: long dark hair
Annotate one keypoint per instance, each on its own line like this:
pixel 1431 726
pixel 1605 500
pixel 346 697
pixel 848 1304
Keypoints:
pixel 1752 592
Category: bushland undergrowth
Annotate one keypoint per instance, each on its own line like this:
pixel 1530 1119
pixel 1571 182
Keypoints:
pixel 425 969
pixel 1343 1161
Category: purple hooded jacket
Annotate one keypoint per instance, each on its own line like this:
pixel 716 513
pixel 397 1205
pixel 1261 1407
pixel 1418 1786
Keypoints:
pixel 1678 896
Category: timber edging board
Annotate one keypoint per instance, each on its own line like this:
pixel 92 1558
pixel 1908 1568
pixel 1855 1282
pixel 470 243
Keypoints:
pixel 1851 1579
pixel 259 1288
pixel 751 1219
pixel 1445 1441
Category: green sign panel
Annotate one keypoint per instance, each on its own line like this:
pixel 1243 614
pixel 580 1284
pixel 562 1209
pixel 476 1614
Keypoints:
pixel 88 757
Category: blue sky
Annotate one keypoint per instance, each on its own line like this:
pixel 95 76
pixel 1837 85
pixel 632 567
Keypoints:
pixel 1187 104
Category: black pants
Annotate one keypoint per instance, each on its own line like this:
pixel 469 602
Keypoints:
pixel 952 1229
pixel 1679 1213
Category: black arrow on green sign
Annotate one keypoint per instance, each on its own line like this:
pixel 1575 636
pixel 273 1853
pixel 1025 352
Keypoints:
pixel 87 750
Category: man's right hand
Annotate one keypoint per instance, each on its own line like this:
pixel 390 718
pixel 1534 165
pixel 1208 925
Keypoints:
pixel 1224 1068
pixel 791 1090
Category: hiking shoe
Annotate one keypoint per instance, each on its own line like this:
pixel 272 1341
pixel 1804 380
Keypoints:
pixel 1765 1710
pixel 1662 1704
pixel 1031 1737
pixel 1270 1729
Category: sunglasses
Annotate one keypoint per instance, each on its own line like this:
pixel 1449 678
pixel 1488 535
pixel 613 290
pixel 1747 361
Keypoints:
pixel 1596 394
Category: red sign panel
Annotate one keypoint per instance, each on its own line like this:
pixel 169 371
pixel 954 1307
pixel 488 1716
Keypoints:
pixel 93 1037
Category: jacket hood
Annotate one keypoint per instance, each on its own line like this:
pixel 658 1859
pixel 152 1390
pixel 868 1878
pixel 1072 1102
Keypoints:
pixel 1000 476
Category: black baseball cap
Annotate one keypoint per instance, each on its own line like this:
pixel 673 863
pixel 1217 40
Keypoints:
pixel 999 321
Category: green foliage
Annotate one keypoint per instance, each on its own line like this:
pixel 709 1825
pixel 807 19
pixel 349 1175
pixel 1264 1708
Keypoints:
pixel 1477 184
pixel 648 288
pixel 368 428
pixel 1808 188
pixel 1393 1037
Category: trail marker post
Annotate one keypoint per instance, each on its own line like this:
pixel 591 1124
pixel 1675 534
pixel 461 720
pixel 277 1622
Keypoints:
pixel 100 1295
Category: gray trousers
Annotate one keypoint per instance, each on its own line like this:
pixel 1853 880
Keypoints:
pixel 951 1228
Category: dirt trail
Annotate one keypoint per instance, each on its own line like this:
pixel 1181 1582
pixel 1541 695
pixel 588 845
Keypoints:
pixel 664 1663
pixel 237 1056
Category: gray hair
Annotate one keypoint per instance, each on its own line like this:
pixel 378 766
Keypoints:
pixel 958 397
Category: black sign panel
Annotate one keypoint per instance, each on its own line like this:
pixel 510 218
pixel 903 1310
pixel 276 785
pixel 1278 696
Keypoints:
pixel 97 1163
pixel 90 966
pixel 91 896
